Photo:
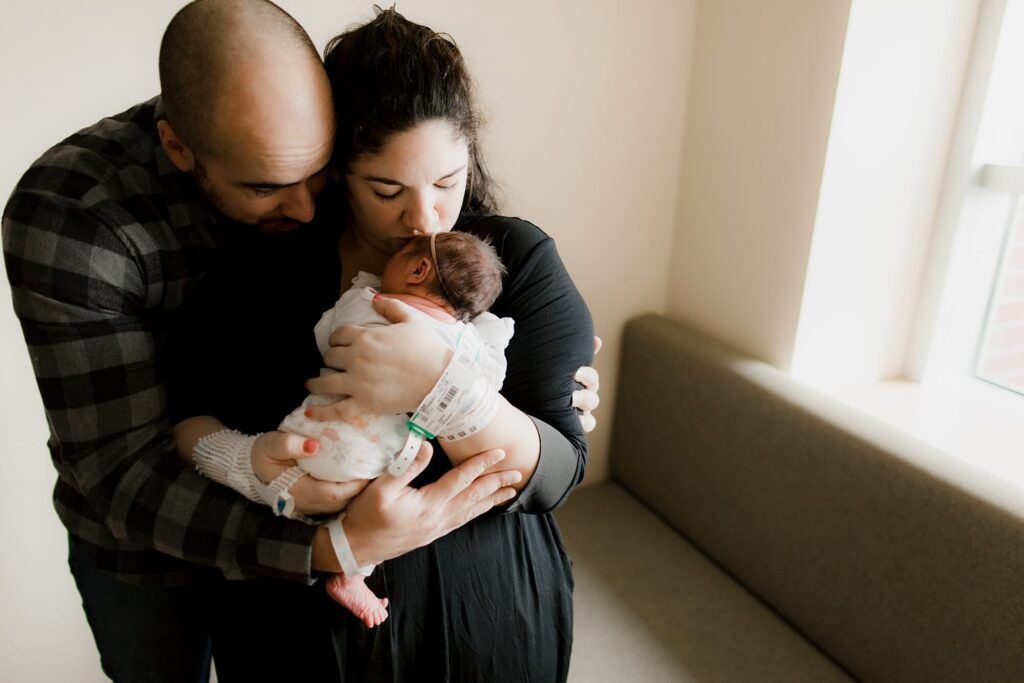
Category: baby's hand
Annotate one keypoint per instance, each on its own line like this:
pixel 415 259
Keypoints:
pixel 275 452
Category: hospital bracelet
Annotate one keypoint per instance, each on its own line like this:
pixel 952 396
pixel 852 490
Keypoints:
pixel 461 403
pixel 342 550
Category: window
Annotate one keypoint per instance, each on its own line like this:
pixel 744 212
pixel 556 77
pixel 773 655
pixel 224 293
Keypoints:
pixel 979 329
pixel 1001 354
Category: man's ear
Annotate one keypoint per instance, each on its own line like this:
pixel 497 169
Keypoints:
pixel 180 155
pixel 421 273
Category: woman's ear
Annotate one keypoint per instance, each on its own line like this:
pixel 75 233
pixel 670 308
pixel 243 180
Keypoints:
pixel 180 155
pixel 421 273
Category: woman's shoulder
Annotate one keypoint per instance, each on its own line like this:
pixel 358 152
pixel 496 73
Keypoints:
pixel 512 237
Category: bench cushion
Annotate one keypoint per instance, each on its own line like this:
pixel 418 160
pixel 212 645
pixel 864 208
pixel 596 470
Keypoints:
pixel 650 607
pixel 899 561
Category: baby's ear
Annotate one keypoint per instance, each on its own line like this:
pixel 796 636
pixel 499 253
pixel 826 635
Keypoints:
pixel 422 272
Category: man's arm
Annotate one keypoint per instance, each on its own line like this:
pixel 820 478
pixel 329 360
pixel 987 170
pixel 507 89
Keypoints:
pixel 79 291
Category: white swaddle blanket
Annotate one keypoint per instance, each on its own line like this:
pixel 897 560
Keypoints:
pixel 363 447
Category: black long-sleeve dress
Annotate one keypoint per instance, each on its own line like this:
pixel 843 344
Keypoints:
pixel 491 601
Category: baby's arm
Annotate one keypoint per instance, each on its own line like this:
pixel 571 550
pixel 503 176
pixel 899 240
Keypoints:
pixel 273 454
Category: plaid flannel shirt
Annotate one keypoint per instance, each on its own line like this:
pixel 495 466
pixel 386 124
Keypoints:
pixel 104 240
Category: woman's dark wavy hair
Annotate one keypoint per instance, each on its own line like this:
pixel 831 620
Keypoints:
pixel 388 76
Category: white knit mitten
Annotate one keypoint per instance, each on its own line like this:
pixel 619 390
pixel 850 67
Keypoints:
pixel 226 457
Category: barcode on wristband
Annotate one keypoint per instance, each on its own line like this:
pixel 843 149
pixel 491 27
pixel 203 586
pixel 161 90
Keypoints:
pixel 452 393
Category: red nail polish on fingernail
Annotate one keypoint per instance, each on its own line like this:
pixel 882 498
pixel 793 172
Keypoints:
pixel 310 445
pixel 308 413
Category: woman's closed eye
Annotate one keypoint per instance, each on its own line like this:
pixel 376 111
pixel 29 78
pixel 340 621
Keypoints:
pixel 388 196
pixel 385 196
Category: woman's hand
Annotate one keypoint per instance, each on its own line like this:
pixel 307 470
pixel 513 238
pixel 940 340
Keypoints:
pixel 275 452
pixel 586 399
pixel 390 518
pixel 383 370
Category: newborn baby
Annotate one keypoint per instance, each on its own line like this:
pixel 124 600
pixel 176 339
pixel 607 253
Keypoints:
pixel 449 278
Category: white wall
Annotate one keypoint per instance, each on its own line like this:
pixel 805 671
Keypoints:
pixel 760 106
pixel 586 104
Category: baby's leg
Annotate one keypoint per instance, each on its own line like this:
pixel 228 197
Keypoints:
pixel 353 593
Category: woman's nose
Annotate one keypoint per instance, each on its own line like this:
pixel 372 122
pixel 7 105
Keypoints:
pixel 422 216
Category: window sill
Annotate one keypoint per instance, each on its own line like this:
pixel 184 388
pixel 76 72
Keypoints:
pixel 973 421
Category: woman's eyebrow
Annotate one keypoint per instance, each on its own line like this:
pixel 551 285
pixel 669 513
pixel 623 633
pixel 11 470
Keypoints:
pixel 388 181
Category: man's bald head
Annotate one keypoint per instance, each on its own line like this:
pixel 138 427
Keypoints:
pixel 249 110
pixel 215 47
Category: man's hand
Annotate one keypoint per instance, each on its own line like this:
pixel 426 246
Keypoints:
pixel 586 399
pixel 391 518
pixel 383 370
pixel 275 452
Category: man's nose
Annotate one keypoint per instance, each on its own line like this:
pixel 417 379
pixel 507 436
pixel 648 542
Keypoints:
pixel 299 204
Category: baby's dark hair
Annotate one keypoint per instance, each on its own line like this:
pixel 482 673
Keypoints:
pixel 468 269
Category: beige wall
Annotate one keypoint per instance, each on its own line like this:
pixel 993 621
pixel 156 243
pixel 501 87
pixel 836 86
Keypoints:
pixel 678 151
pixel 759 112
pixel 586 104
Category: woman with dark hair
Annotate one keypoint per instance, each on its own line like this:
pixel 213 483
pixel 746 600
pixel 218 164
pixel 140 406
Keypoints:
pixel 492 600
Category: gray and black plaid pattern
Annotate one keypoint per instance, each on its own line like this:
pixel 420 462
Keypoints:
pixel 104 240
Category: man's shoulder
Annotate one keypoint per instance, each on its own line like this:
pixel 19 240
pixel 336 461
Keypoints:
pixel 113 159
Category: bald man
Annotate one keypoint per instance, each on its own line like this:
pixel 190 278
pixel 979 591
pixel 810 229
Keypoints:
pixel 105 239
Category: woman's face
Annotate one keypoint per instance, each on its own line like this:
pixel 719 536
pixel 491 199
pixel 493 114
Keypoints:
pixel 413 186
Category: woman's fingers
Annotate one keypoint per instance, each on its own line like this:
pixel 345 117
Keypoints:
pixel 342 409
pixel 339 357
pixel 585 400
pixel 345 335
pixel 334 384
pixel 589 378
pixel 598 343
pixel 394 310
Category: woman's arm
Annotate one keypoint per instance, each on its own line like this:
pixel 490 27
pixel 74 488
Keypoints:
pixel 391 369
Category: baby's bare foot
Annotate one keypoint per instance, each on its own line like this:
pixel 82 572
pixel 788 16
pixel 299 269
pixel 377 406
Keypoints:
pixel 352 593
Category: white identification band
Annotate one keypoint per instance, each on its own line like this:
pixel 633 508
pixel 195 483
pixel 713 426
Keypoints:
pixel 478 418
pixel 226 457
pixel 342 550
pixel 284 503
pixel 408 452
pixel 463 401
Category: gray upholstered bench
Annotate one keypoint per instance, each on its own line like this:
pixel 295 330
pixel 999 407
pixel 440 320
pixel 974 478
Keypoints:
pixel 757 531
